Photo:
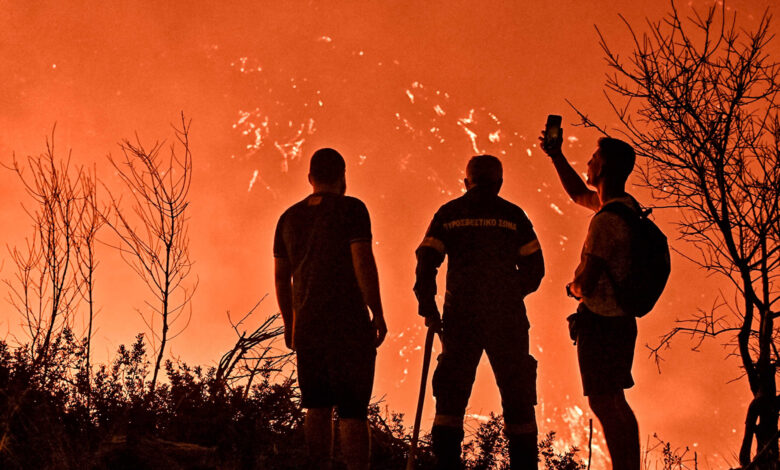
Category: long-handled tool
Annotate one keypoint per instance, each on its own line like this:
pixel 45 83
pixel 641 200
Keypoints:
pixel 421 399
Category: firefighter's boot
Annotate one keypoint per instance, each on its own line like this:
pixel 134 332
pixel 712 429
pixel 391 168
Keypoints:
pixel 523 451
pixel 446 443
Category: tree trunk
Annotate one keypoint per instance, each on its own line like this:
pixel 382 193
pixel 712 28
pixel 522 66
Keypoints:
pixel 766 430
pixel 767 414
pixel 762 414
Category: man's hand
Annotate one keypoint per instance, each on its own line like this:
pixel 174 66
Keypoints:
pixel 553 148
pixel 433 323
pixel 428 308
pixel 288 339
pixel 587 276
pixel 380 328
pixel 430 311
pixel 368 280
pixel 573 184
pixel 283 281
pixel 574 290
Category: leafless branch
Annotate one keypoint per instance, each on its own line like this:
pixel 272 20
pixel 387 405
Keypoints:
pixel 698 99
pixel 157 245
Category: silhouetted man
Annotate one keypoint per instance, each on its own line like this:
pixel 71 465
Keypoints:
pixel 605 333
pixel 495 260
pixel 323 245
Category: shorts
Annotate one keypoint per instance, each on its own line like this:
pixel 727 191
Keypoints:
pixel 605 351
pixel 337 376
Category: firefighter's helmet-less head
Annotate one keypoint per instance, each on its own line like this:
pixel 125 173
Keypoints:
pixel 484 171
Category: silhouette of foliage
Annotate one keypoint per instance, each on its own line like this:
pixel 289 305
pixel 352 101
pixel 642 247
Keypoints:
pixel 554 460
pixel 157 248
pixel 44 290
pixel 671 458
pixel 59 410
pixel 488 449
pixel 188 421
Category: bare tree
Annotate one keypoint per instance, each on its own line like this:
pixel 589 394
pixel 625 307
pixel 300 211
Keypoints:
pixel 157 247
pixel 89 223
pixel 44 289
pixel 698 98
pixel 52 269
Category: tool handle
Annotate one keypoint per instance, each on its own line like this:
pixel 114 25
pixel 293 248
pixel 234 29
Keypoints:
pixel 421 398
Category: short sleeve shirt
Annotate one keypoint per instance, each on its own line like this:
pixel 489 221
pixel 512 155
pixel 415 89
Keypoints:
pixel 315 236
pixel 608 238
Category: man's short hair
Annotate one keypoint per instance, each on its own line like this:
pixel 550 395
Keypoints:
pixel 485 170
pixel 326 166
pixel 618 157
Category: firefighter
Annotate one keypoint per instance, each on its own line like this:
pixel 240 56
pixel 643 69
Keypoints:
pixel 495 260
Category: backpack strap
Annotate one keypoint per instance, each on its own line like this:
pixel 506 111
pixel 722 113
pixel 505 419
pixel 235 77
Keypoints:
pixel 626 213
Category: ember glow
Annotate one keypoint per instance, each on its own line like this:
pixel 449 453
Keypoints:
pixel 407 93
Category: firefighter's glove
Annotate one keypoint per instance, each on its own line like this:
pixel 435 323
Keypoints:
pixel 433 322
pixel 427 308
pixel 430 311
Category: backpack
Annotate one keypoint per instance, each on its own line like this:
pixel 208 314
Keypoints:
pixel 650 264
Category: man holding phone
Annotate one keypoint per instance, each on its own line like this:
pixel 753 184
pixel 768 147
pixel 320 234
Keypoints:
pixel 605 333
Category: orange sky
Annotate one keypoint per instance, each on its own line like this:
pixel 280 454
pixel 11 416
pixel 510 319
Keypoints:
pixel 407 93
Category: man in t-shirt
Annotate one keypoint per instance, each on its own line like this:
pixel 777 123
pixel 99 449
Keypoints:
pixel 605 333
pixel 326 282
pixel 495 260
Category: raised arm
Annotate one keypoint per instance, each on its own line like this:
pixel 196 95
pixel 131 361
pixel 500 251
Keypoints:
pixel 573 184
pixel 283 282
pixel 368 280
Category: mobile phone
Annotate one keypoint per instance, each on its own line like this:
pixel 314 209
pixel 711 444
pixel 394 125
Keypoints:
pixel 552 129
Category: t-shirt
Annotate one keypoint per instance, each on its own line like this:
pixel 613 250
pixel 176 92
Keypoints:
pixel 315 236
pixel 609 238
pixel 483 235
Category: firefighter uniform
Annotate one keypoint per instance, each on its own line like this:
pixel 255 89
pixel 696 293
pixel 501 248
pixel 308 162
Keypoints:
pixel 495 260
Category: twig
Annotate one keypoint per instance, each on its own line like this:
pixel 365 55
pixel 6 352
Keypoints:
pixel 590 441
